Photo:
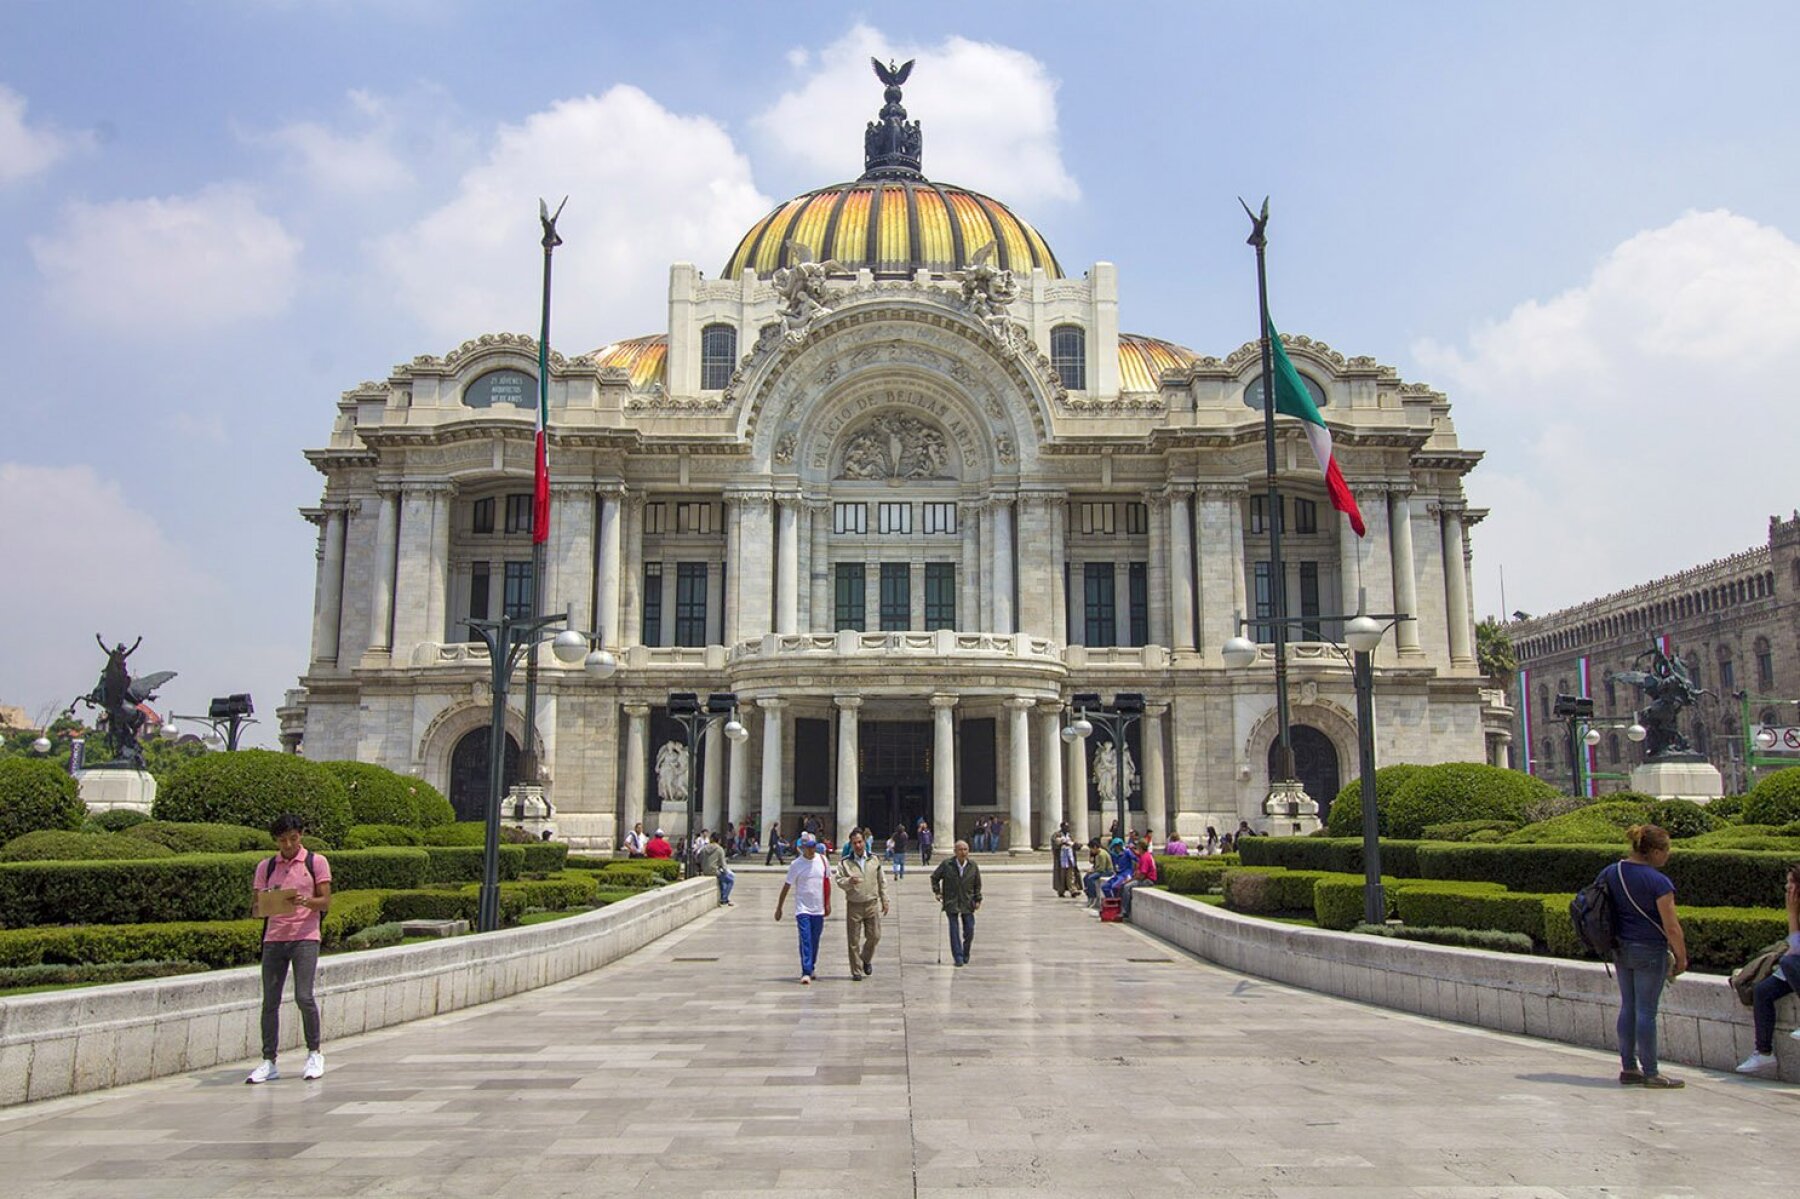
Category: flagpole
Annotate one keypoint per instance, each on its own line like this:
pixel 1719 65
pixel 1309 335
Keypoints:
pixel 528 763
pixel 1284 754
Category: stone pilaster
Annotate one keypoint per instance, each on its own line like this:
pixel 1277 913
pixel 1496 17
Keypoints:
pixel 943 770
pixel 1019 728
pixel 849 776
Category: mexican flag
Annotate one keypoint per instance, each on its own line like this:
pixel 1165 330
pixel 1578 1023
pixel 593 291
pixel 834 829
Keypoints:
pixel 1291 399
pixel 540 492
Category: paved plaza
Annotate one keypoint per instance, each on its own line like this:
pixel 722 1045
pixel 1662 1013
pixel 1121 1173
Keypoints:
pixel 1068 1058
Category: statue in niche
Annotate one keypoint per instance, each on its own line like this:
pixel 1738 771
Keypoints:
pixel 801 290
pixel 1106 774
pixel 672 774
pixel 896 446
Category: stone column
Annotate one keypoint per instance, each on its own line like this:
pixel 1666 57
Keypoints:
pixel 1000 517
pixel 849 774
pixel 787 578
pixel 1019 827
pixel 1456 585
pixel 1406 581
pixel 1158 575
pixel 637 757
pixel 1181 570
pixel 771 759
pixel 735 804
pixel 631 577
pixel 1078 790
pixel 1156 803
pixel 755 556
pixel 609 570
pixel 943 771
pixel 437 583
pixel 329 614
pixel 712 788
pixel 387 541
pixel 1049 739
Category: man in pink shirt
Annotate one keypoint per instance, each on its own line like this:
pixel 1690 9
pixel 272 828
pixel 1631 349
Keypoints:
pixel 292 939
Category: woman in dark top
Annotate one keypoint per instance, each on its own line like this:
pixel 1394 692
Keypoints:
pixel 1649 934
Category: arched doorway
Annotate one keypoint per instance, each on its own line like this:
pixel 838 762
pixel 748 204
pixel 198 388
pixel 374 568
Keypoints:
pixel 1315 763
pixel 469 773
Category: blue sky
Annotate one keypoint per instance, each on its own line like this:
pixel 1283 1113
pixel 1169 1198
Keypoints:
pixel 1580 221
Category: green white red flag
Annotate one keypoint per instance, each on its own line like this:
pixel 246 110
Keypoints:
pixel 1291 399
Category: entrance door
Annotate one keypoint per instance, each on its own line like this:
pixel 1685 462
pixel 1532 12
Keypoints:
pixel 1315 764
pixel 895 770
pixel 469 773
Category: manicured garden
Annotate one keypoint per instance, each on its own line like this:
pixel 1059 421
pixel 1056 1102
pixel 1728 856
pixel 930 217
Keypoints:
pixel 1477 856
pixel 121 895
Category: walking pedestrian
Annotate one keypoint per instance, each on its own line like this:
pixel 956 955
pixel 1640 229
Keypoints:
pixel 297 883
pixel 1651 950
pixel 810 881
pixel 957 885
pixel 864 886
pixel 1065 877
pixel 712 864
pixel 924 844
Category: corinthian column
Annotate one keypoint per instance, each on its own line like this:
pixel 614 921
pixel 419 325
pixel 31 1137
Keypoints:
pixel 637 756
pixel 771 762
pixel 943 770
pixel 1019 828
pixel 849 776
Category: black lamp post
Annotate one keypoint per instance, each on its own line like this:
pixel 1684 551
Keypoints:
pixel 1116 720
pixel 685 709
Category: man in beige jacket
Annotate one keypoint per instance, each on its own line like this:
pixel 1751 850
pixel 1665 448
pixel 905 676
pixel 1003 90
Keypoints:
pixel 864 888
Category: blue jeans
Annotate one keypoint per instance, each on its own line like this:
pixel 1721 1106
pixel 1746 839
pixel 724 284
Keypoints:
pixel 962 935
pixel 727 880
pixel 1642 968
pixel 811 929
pixel 1770 989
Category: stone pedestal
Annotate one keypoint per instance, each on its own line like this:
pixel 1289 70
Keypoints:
pixel 104 788
pixel 1289 810
pixel 1681 776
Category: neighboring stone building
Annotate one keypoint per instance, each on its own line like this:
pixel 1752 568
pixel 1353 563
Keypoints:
pixel 903 510
pixel 1734 622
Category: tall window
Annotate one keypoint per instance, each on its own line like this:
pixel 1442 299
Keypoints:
pixel 940 595
pixel 518 513
pixel 1309 601
pixel 1265 603
pixel 1068 356
pixel 894 517
pixel 484 515
pixel 718 355
pixel 690 603
pixel 517 599
pixel 896 597
pixel 849 518
pixel 1102 615
pixel 479 576
pixel 1138 582
pixel 940 518
pixel 1306 516
pixel 653 581
pixel 851 596
pixel 1765 664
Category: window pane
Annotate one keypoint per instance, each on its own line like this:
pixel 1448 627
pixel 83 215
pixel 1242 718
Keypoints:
pixel 653 603
pixel 1102 617
pixel 851 596
pixel 940 595
pixel 896 597
pixel 690 603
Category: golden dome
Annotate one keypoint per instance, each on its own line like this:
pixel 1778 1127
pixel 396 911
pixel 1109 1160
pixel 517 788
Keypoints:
pixel 894 228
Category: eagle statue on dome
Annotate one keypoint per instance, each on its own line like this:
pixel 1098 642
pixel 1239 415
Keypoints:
pixel 801 289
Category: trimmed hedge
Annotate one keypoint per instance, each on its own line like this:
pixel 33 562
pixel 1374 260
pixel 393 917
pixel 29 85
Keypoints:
pixel 254 786
pixel 36 793
pixel 56 845
pixel 463 863
pixel 1454 791
pixel 374 836
pixel 1775 799
pixel 117 820
pixel 1345 817
pixel 200 837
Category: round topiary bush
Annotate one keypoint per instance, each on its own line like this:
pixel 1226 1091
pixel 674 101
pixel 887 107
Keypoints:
pixel 1345 817
pixel 1457 791
pixel 252 787
pixel 1682 818
pixel 119 819
pixel 37 794
pixel 1775 799
pixel 59 845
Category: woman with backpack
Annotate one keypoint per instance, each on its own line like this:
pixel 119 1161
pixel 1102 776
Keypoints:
pixel 1651 950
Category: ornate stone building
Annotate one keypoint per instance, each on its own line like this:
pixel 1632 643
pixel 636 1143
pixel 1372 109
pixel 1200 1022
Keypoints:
pixel 1734 622
pixel 903 500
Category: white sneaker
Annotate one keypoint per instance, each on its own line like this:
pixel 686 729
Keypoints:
pixel 315 1065
pixel 1758 1063
pixel 264 1073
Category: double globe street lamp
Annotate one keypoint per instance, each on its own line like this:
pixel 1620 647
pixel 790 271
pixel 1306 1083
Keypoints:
pixel 695 719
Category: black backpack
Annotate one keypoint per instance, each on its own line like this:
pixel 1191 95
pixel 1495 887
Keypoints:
pixel 1596 924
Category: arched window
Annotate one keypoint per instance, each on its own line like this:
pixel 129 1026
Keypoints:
pixel 718 356
pixel 1068 355
pixel 1253 392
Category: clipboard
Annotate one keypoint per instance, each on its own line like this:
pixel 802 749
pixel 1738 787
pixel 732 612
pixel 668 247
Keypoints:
pixel 279 901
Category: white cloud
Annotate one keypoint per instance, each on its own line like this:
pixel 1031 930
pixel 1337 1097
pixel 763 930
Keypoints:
pixel 646 187
pixel 354 165
pixel 169 264
pixel 1638 423
pixel 25 150
pixel 988 114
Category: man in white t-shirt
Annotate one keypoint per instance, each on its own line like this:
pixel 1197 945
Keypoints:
pixel 810 880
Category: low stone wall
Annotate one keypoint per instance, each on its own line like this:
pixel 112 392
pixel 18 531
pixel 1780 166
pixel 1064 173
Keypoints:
pixel 1702 1023
pixel 62 1043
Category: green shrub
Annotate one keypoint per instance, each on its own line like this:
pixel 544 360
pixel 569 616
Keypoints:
pixel 1465 830
pixel 1596 824
pixel 1345 817
pixel 1775 799
pixel 463 863
pixel 254 786
pixel 100 972
pixel 545 857
pixel 217 943
pixel 1455 791
pixel 1726 807
pixel 1266 891
pixel 377 936
pixel 198 837
pixel 1457 905
pixel 1466 938
pixel 35 794
pixel 474 832
pixel 54 845
pixel 1682 818
pixel 117 820
pixel 371 836
pixel 1196 876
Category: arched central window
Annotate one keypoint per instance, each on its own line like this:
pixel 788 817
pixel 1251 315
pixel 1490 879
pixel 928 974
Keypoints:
pixel 1068 355
pixel 718 356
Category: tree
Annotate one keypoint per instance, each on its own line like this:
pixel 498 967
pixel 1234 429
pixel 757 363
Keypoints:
pixel 1494 653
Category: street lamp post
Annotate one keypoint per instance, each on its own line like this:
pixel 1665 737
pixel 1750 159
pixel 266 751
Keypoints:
pixel 1116 719
pixel 685 709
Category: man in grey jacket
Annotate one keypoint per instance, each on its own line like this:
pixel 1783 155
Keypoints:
pixel 864 886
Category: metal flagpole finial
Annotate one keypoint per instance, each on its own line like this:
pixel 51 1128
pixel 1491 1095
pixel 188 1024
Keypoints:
pixel 548 220
pixel 1257 224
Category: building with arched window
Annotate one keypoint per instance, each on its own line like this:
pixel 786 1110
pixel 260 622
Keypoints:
pixel 900 483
